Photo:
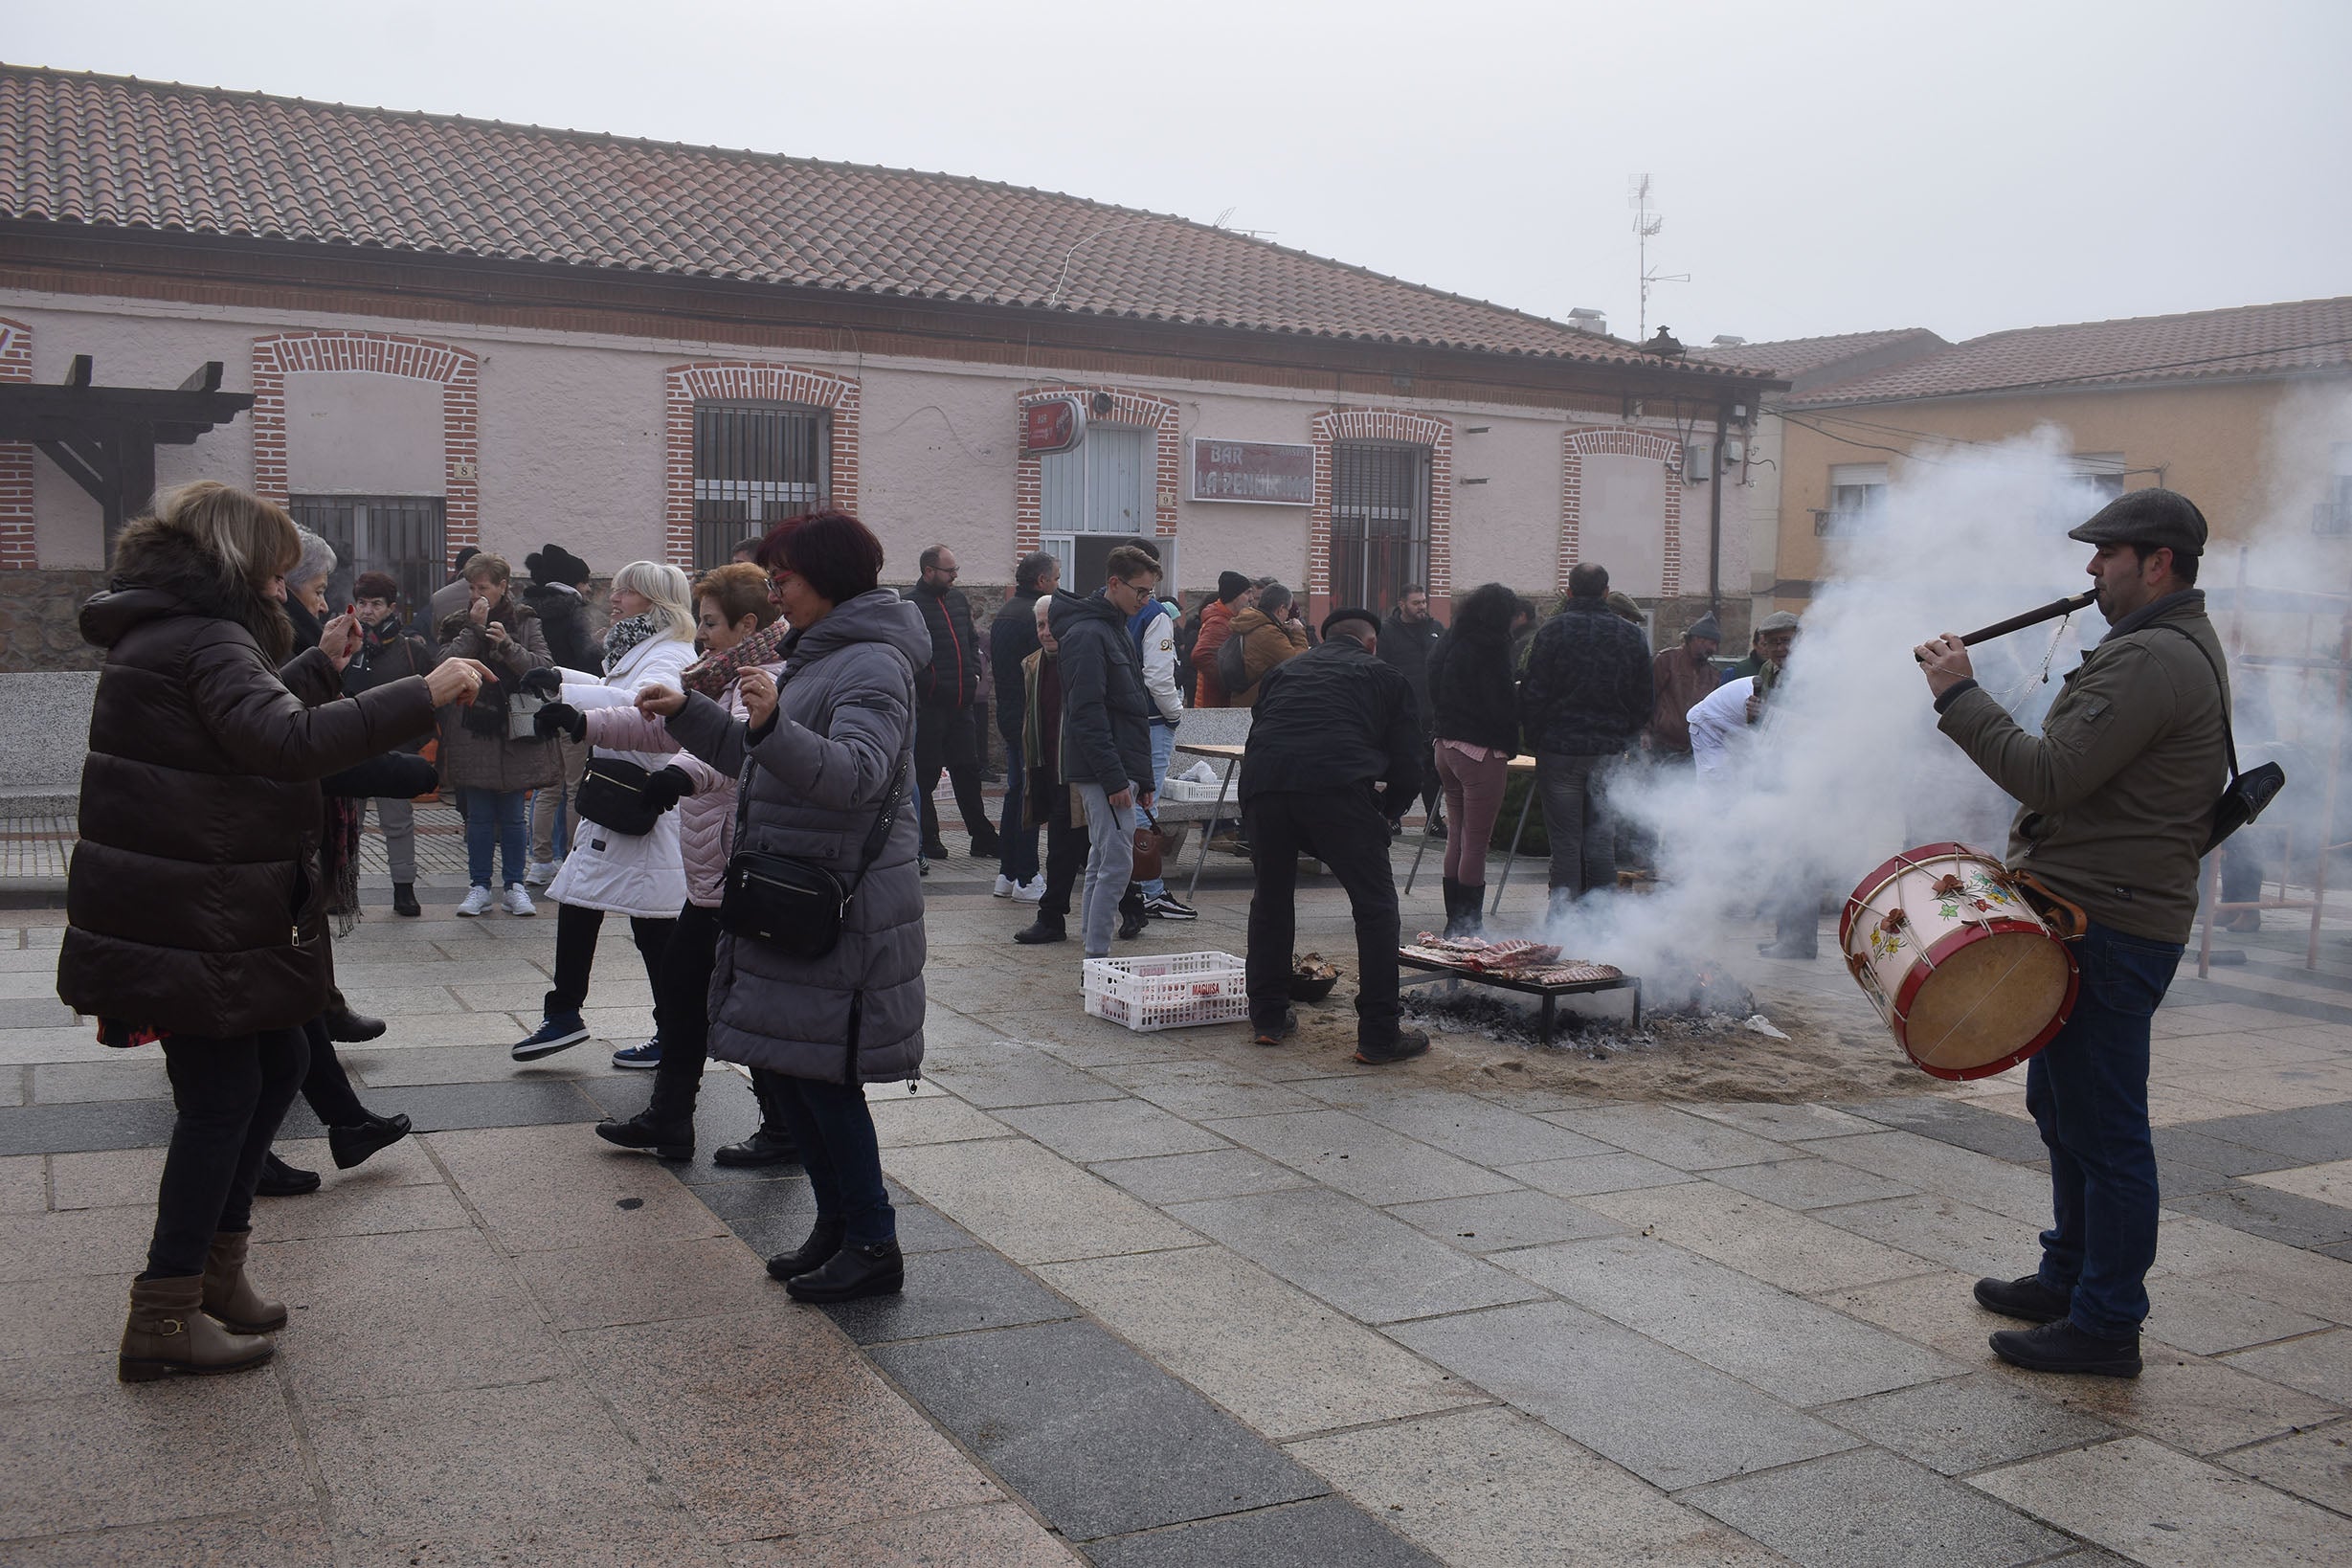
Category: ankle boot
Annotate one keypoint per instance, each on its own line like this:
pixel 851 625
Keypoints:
pixel 1473 908
pixel 771 1145
pixel 169 1333
pixel 404 900
pixel 229 1296
pixel 854 1272
pixel 667 1139
pixel 353 1145
pixel 1453 906
pixel 814 1253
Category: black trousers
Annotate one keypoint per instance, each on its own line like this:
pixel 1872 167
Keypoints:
pixel 230 1094
pixel 682 1010
pixel 325 1086
pixel 1347 831
pixel 576 928
pixel 950 738
pixel 1066 847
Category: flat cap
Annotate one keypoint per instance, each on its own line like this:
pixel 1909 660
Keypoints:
pixel 2152 519
pixel 1706 626
pixel 1780 621
pixel 1624 607
pixel 1352 612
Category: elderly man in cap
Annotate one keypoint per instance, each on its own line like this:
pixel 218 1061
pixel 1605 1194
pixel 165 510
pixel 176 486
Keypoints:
pixel 1767 644
pixel 1335 751
pixel 2116 798
pixel 1678 678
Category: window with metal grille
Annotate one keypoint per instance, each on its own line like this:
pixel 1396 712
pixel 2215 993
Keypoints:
pixel 754 464
pixel 400 535
pixel 1379 522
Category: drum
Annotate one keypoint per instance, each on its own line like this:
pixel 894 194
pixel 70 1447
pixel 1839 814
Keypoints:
pixel 1968 976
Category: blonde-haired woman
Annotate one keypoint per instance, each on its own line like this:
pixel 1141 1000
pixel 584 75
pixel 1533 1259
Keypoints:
pixel 197 914
pixel 640 875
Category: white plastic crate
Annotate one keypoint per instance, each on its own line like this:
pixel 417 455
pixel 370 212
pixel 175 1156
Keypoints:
pixel 1168 990
pixel 1193 792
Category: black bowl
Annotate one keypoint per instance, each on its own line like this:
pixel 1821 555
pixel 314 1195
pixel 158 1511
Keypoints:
pixel 1306 988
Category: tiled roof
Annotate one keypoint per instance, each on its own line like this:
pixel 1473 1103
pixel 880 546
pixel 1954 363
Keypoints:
pixel 2249 341
pixel 1796 356
pixel 129 154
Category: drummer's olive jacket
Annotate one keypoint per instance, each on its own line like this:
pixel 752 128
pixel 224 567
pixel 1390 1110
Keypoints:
pixel 2117 791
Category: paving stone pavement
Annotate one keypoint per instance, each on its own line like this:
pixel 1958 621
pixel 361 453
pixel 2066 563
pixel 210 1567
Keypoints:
pixel 1175 1300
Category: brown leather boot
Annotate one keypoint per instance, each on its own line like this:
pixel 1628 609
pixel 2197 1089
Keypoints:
pixel 169 1333
pixel 229 1296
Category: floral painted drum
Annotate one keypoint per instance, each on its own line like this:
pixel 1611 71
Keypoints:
pixel 1968 976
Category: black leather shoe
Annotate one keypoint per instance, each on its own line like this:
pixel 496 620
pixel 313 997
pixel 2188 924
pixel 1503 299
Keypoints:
pixel 761 1148
pixel 1275 1032
pixel 2062 1347
pixel 1132 926
pixel 935 851
pixel 1408 1043
pixel 1039 931
pixel 353 1145
pixel 986 849
pixel 814 1254
pixel 2027 1298
pixel 642 1131
pixel 345 1027
pixel 278 1180
pixel 852 1272
pixel 404 900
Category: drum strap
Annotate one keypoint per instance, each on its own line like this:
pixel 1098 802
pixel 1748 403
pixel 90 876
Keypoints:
pixel 2065 916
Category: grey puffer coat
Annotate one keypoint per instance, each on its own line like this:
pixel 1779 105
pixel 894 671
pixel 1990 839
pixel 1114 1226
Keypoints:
pixel 846 717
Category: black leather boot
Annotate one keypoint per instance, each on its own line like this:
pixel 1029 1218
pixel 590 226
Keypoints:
pixel 2027 1298
pixel 854 1272
pixel 345 1027
pixel 2062 1347
pixel 1473 908
pixel 1453 906
pixel 278 1180
pixel 814 1253
pixel 353 1145
pixel 1043 929
pixel 667 1140
pixel 771 1145
pixel 404 900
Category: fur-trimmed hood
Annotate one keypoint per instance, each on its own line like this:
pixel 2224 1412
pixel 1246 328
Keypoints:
pixel 162 571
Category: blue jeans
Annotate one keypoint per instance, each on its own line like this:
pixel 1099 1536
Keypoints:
pixel 2088 1091
pixel 835 1134
pixel 1017 858
pixel 1163 748
pixel 496 822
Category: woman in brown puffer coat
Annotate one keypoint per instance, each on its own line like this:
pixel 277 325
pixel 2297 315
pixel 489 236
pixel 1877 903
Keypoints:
pixel 195 910
pixel 494 771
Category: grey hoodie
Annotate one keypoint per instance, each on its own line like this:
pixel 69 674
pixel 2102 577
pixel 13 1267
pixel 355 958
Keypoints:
pixel 845 716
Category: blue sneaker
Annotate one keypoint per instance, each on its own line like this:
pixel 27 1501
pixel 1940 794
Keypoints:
pixel 647 1055
pixel 556 1034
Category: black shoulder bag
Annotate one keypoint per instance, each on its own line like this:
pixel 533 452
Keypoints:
pixel 612 795
pixel 791 904
pixel 2248 794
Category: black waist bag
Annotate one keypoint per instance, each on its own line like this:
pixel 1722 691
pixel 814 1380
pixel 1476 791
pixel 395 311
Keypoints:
pixel 612 795
pixel 794 906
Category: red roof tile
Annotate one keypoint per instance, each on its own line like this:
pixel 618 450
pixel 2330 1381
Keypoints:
pixel 1800 356
pixel 2248 340
pixel 107 150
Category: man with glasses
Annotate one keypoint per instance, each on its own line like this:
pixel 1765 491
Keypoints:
pixel 1106 730
pixel 947 734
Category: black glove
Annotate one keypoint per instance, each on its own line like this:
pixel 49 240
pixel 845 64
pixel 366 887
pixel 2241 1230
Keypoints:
pixel 546 684
pixel 666 788
pixel 559 718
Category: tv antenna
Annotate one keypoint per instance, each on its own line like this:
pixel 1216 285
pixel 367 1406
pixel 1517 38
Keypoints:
pixel 1646 225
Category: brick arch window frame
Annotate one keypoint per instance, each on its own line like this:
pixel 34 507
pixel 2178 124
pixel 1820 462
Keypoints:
pixel 1128 406
pixel 1333 426
pixel 1619 441
pixel 458 370
pixel 17 546
pixel 750 381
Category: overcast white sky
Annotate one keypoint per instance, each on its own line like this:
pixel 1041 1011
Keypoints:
pixel 1822 165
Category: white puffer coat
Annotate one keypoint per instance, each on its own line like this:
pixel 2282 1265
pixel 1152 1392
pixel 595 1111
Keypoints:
pixel 707 817
pixel 641 875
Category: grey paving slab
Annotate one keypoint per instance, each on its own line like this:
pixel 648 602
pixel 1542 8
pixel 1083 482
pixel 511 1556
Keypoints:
pixel 1779 1247
pixel 142 1077
pixel 1941 1229
pixel 1668 1419
pixel 994 1076
pixel 1184 1179
pixel 1870 1510
pixel 2174 1179
pixel 1782 1123
pixel 951 1292
pixel 2310 1135
pixel 1807 1182
pixel 2212 1316
pixel 1327 1531
pixel 94 1124
pixel 1968 1423
pixel 1215 1090
pixel 1947 1120
pixel 1462 1125
pixel 1030 1203
pixel 1496 1221
pixel 1946 1170
pixel 1105 1129
pixel 2265 1211
pixel 1668 1136
pixel 2163 1510
pixel 1360 1157
pixel 2315 1465
pixel 1794 1349
pixel 449 1108
pixel 2319 1364
pixel 1090 1433
pixel 1373 1268
pixel 2190 1144
pixel 1596 1174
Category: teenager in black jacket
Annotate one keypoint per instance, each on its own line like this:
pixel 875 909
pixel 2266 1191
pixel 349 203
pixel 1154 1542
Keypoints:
pixel 1012 637
pixel 1474 714
pixel 1585 697
pixel 946 735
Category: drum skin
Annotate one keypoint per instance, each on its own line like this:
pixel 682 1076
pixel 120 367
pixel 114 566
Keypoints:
pixel 1968 976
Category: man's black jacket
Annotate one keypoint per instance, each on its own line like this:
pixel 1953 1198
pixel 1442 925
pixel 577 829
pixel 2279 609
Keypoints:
pixel 1106 710
pixel 1406 645
pixel 953 677
pixel 1587 691
pixel 1012 637
pixel 1334 718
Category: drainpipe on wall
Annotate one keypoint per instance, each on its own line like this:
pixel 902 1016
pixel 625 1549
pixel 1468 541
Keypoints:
pixel 1714 517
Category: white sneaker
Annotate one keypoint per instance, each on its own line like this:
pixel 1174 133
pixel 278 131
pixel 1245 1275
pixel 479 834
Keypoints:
pixel 1004 886
pixel 476 902
pixel 1032 890
pixel 540 874
pixel 518 902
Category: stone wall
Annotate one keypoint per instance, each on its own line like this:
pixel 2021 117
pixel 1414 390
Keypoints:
pixel 37 615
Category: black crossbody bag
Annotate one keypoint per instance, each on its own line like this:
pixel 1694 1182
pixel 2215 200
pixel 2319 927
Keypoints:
pixel 612 795
pixel 2247 792
pixel 794 906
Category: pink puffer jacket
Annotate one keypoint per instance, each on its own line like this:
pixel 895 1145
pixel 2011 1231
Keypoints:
pixel 707 817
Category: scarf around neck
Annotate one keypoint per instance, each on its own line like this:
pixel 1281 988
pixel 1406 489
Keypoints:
pixel 626 634
pixel 714 673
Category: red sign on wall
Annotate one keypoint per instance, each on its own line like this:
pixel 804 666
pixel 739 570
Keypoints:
pixel 1270 472
pixel 1055 425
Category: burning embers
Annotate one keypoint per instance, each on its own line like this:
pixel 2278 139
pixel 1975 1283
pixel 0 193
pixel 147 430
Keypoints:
pixel 1528 963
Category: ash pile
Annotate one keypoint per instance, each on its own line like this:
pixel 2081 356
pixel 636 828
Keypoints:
pixel 1685 1003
